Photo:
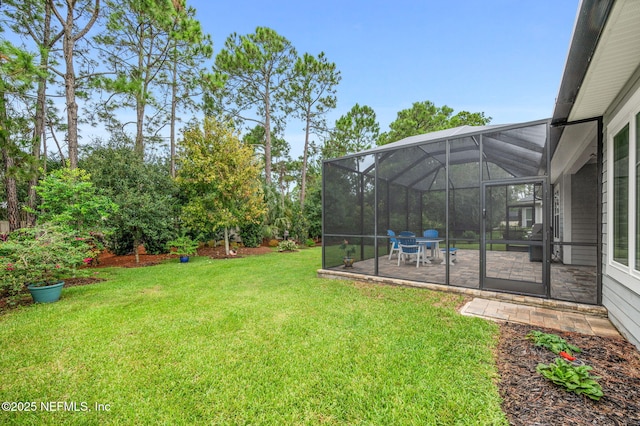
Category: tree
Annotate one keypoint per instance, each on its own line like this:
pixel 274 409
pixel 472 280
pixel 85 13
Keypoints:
pixel 70 17
pixel 144 46
pixel 354 132
pixel 143 190
pixel 33 18
pixel 255 70
pixel 425 117
pixel 17 73
pixel 70 199
pixel 190 49
pixel 220 177
pixel 311 95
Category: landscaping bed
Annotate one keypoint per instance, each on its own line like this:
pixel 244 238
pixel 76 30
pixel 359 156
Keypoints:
pixel 530 399
pixel 107 259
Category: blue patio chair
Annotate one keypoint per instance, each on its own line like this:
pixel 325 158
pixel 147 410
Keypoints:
pixel 409 247
pixel 432 234
pixel 394 243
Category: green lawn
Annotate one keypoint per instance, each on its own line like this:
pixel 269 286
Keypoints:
pixel 258 340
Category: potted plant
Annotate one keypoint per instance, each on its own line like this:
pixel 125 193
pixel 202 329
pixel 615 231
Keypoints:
pixel 41 257
pixel 183 246
pixel 349 251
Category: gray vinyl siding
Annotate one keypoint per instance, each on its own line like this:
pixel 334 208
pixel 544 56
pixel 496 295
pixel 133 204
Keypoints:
pixel 622 303
pixel 584 220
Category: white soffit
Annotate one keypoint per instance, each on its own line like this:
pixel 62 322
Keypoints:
pixel 615 59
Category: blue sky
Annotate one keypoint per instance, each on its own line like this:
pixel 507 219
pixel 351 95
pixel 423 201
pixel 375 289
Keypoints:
pixel 501 57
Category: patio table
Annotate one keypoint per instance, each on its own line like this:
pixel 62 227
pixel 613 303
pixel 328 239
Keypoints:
pixel 435 243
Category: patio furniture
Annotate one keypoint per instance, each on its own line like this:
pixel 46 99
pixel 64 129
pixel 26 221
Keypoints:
pixel 452 254
pixel 406 234
pixel 409 247
pixel 394 243
pixel 432 234
pixel 432 244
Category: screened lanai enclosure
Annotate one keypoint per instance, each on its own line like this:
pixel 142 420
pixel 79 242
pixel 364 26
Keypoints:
pixel 468 206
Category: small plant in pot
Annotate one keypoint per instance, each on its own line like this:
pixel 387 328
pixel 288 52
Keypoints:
pixel 41 257
pixel 349 251
pixel 184 247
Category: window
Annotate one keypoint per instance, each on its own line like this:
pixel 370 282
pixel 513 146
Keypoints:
pixel 623 200
pixel 620 196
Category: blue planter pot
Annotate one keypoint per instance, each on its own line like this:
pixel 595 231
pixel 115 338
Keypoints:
pixel 46 294
pixel 184 259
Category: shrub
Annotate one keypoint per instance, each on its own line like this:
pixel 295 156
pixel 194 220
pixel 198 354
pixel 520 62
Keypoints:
pixel 470 235
pixel 144 192
pixel 310 242
pixel 251 234
pixel 184 246
pixel 287 245
pixel 44 254
pixel 71 200
pixel 273 242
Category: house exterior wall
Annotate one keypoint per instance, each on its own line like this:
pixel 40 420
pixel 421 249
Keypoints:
pixel 565 216
pixel 620 287
pixel 584 217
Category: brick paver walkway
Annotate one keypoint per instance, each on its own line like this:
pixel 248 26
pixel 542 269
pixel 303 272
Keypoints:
pixel 539 316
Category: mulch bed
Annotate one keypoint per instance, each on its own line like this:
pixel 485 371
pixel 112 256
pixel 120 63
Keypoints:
pixel 129 261
pixel 530 399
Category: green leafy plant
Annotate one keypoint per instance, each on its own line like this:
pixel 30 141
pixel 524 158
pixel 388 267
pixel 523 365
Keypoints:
pixel 310 242
pixel 43 255
pixel 348 250
pixel 287 245
pixel 184 246
pixel 574 378
pixel 553 342
pixel 251 234
pixel 69 198
pixel 144 192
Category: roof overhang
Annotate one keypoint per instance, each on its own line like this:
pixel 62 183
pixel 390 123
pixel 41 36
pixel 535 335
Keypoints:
pixel 603 55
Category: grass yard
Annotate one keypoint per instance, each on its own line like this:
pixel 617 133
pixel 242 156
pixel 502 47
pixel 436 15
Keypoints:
pixel 258 340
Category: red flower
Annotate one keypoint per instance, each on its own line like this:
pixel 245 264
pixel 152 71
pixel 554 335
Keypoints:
pixel 87 260
pixel 567 356
pixel 9 267
pixel 57 266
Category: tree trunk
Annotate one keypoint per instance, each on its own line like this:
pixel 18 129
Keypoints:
pixel 38 137
pixel 136 245
pixel 267 140
pixel 70 90
pixel 226 240
pixel 174 95
pixel 68 47
pixel 41 116
pixel 8 162
pixel 13 211
pixel 305 154
pixel 139 148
